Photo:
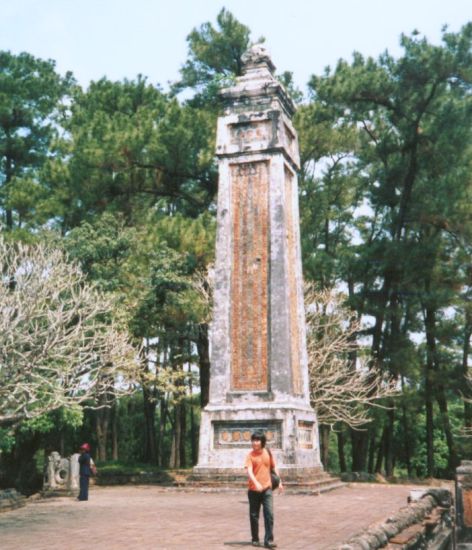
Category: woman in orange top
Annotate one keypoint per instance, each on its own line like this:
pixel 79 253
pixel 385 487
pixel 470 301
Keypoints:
pixel 259 463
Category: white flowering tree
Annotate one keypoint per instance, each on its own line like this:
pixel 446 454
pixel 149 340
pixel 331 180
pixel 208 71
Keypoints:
pixel 59 345
pixel 343 387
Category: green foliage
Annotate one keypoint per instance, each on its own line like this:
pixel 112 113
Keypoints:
pixel 385 210
pixel 287 80
pixel 130 147
pixel 214 53
pixel 60 419
pixel 102 249
pixel 7 440
pixel 30 107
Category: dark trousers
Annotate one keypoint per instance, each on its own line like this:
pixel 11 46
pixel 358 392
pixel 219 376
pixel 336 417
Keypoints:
pixel 256 500
pixel 84 485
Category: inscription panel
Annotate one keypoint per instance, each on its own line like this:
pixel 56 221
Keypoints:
pixel 305 434
pixel 292 285
pixel 245 133
pixel 249 277
pixel 238 434
pixel 467 503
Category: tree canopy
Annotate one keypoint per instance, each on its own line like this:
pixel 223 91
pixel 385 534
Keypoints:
pixel 120 179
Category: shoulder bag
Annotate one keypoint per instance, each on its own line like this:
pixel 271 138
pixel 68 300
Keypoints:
pixel 274 478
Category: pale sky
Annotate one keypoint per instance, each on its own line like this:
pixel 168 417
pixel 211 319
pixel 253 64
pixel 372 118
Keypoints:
pixel 122 38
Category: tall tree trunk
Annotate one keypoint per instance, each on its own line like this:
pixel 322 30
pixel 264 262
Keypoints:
pixel 193 428
pixel 183 434
pixel 429 389
pixel 8 178
pixel 371 452
pixel 406 433
pixel 176 435
pixel 381 452
pixel 467 390
pixel 150 442
pixel 149 406
pixel 359 443
pixel 324 432
pixel 341 453
pixel 61 442
pixel 452 461
pixel 203 348
pixel 389 460
pixel 359 437
pixel 162 425
pixel 194 436
pixel 102 425
pixel 114 431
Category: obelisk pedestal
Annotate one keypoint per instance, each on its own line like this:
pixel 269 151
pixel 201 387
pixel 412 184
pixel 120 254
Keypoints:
pixel 259 374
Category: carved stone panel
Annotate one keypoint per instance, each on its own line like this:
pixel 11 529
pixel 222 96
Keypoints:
pixel 249 277
pixel 305 434
pixel 292 285
pixel 247 133
pixel 467 504
pixel 238 434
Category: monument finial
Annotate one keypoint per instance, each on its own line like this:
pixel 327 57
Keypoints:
pixel 255 57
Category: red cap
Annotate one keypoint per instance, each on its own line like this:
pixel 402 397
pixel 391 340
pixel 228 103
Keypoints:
pixel 85 447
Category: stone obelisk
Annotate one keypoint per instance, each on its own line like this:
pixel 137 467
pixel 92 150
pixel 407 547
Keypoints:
pixel 259 374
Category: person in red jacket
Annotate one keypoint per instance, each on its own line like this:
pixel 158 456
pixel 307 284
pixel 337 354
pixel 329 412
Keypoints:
pixel 258 465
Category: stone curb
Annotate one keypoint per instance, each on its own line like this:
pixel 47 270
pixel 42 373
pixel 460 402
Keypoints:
pixel 378 535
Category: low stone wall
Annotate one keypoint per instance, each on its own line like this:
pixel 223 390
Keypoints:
pixel 10 499
pixel 143 478
pixel 426 523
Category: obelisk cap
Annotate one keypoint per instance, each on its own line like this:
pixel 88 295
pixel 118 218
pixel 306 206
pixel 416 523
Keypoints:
pixel 255 57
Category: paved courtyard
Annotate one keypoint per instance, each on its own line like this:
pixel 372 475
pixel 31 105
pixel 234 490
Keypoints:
pixel 150 517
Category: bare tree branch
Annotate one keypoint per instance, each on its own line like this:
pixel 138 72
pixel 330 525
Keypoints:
pixel 59 345
pixel 342 388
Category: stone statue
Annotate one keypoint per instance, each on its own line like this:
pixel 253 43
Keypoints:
pixel 73 480
pixel 61 473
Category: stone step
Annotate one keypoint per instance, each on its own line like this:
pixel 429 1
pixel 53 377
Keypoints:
pixel 320 483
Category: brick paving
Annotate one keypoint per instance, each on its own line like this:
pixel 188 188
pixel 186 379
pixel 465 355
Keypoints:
pixel 151 517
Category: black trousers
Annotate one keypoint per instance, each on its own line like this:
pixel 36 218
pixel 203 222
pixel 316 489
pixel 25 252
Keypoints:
pixel 256 500
pixel 84 486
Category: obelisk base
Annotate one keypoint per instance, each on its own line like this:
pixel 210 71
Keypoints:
pixel 225 436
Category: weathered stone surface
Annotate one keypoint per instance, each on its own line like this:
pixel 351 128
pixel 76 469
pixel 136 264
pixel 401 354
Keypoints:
pixel 422 524
pixel 61 474
pixel 259 373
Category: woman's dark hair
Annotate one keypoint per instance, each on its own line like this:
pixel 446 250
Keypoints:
pixel 259 436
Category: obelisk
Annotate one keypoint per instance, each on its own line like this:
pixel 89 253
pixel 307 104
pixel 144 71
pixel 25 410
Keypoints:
pixel 259 373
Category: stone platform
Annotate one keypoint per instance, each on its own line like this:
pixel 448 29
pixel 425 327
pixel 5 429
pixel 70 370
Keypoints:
pixel 154 517
pixel 296 481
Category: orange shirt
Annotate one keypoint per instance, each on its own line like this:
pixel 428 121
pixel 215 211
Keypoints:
pixel 261 462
